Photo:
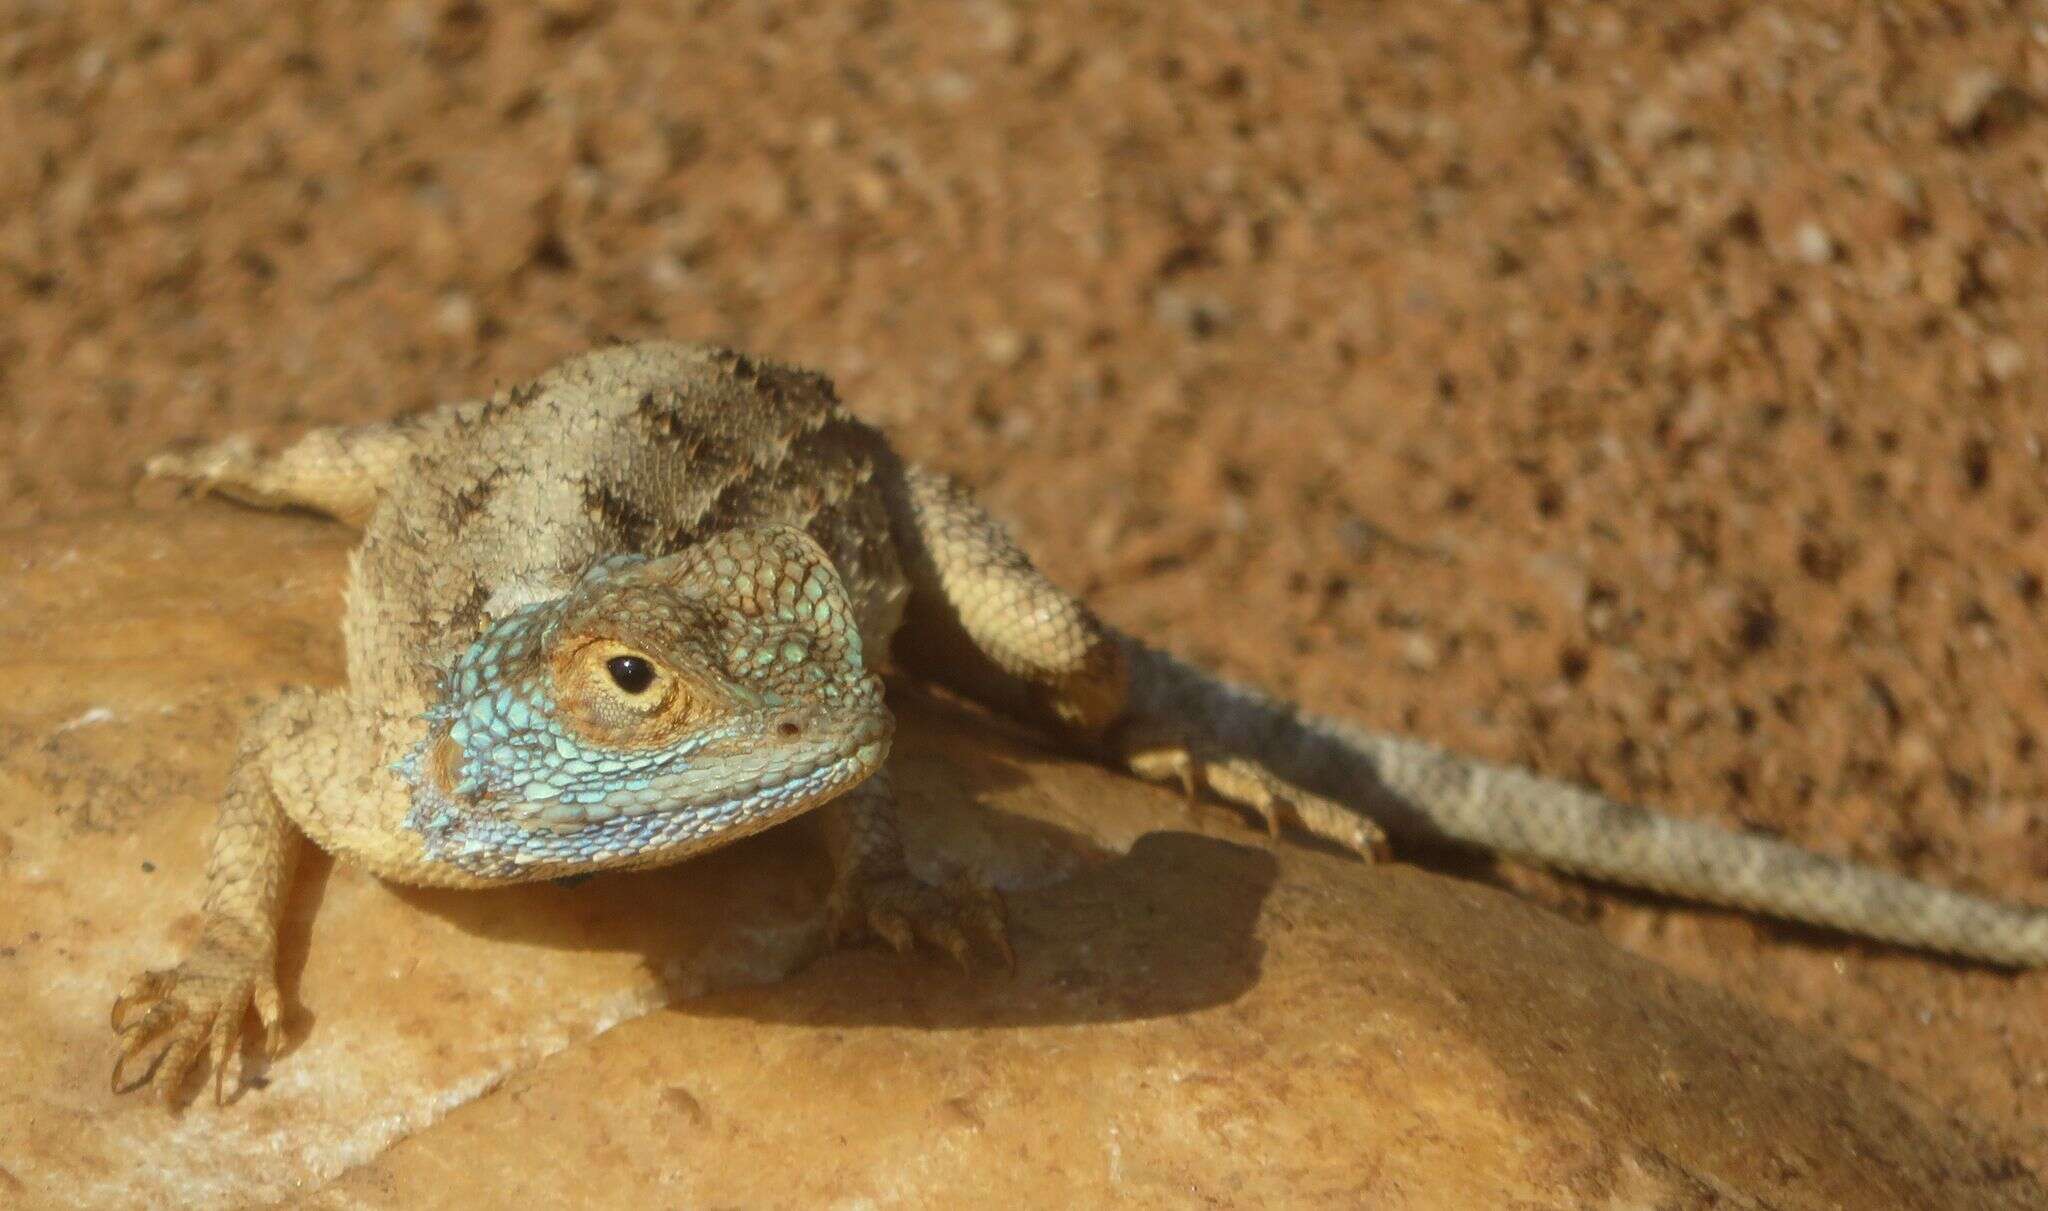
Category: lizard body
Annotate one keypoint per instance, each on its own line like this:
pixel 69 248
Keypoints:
pixel 634 609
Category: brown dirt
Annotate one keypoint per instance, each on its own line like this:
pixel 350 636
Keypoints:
pixel 1652 394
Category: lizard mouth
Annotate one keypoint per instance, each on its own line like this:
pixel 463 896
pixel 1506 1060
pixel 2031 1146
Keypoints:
pixel 643 821
pixel 719 788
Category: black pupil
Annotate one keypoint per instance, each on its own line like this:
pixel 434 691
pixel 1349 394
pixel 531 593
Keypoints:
pixel 630 673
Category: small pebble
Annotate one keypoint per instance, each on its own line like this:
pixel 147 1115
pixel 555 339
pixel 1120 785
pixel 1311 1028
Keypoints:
pixel 2004 359
pixel 1812 244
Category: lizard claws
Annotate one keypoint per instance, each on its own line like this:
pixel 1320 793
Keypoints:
pixel 1279 803
pixel 136 1036
pixel 1161 755
pixel 180 1012
pixel 903 911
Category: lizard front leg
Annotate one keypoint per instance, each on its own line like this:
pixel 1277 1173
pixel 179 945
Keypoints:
pixel 204 1001
pixel 874 891
pixel 340 471
pixel 315 765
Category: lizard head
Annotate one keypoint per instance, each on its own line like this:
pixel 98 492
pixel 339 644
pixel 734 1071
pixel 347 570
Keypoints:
pixel 660 707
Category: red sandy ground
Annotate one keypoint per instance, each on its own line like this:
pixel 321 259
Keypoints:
pixel 1648 393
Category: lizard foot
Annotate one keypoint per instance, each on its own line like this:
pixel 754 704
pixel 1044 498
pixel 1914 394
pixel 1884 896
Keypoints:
pixel 202 1002
pixel 1245 783
pixel 233 460
pixel 904 911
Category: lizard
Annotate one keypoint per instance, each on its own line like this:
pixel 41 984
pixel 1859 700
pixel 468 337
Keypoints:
pixel 637 607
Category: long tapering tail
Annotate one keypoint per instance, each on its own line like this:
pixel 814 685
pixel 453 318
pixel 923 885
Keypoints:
pixel 1417 791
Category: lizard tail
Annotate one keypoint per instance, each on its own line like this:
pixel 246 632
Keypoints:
pixel 1521 815
pixel 1417 791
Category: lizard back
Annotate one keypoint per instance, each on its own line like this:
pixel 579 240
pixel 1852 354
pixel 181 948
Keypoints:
pixel 644 448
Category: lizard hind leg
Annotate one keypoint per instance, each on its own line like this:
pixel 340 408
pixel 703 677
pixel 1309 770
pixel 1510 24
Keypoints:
pixel 985 621
pixel 982 619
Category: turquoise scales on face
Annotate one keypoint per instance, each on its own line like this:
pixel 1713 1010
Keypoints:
pixel 527 792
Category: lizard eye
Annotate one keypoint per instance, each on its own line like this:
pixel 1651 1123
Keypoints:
pixel 630 673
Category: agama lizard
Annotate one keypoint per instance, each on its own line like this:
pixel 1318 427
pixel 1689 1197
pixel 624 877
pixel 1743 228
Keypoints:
pixel 634 609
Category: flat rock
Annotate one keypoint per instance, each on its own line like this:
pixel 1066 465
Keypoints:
pixel 1198 1016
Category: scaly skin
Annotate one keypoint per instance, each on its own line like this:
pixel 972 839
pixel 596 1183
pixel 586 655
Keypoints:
pixel 632 610
pixel 608 619
pixel 659 708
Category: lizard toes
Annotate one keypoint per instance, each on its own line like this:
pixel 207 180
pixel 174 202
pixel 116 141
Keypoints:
pixel 980 909
pixel 943 934
pixel 270 1012
pixel 182 1015
pixel 177 1061
pixel 139 1036
pixel 205 464
pixel 904 911
pixel 893 927
pixel 1281 804
pixel 145 991
pixel 220 1047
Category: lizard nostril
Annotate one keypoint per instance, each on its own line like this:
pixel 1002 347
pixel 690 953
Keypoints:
pixel 789 727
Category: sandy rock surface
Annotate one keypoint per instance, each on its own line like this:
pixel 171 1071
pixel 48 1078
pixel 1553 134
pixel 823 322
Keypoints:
pixel 1196 1014
pixel 1648 393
